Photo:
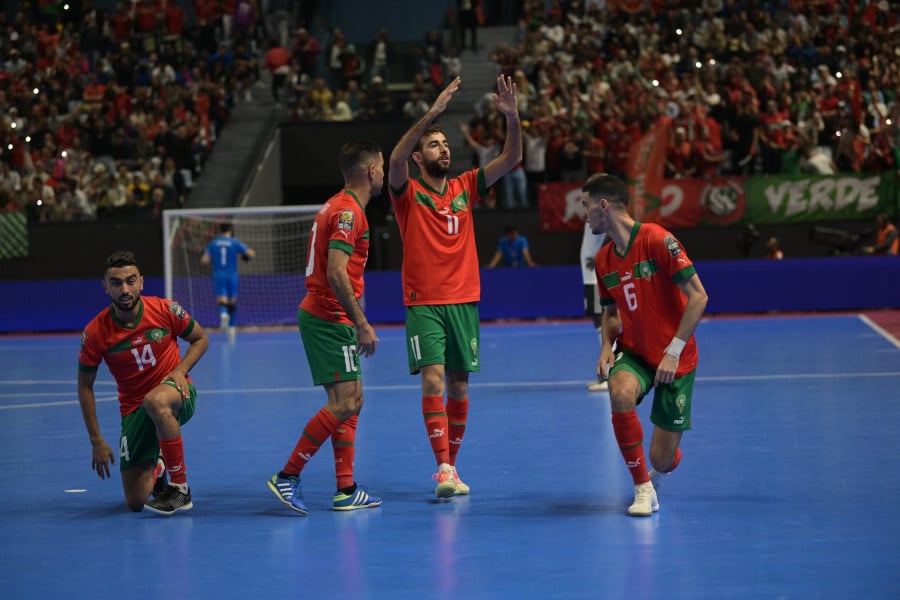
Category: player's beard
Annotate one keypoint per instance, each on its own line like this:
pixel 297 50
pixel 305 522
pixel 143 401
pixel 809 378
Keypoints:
pixel 130 305
pixel 435 169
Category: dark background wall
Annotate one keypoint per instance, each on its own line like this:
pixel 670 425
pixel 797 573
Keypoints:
pixel 79 250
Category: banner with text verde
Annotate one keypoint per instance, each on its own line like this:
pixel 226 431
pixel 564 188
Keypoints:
pixel 795 199
pixel 731 200
pixel 773 199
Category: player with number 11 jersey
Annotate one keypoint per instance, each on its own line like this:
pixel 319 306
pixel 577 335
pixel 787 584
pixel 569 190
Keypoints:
pixel 440 259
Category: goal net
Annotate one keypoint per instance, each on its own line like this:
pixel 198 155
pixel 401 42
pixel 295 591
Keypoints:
pixel 271 285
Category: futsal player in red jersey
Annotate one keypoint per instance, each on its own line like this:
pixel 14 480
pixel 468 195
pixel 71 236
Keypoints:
pixel 335 330
pixel 652 301
pixel 441 283
pixel 138 338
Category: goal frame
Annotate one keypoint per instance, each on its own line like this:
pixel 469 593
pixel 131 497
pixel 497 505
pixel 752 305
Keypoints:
pixel 172 215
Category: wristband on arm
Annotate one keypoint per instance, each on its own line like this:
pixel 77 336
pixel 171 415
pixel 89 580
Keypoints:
pixel 675 347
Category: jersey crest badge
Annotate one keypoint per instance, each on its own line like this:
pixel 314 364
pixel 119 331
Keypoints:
pixel 176 309
pixel 458 204
pixel 345 220
pixel 672 245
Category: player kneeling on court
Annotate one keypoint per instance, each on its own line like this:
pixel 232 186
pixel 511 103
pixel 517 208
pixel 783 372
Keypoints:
pixel 138 338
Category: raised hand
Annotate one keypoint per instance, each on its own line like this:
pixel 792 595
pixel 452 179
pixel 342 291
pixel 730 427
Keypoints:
pixel 440 105
pixel 505 96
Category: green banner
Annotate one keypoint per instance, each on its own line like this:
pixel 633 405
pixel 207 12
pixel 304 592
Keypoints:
pixel 803 199
pixel 13 235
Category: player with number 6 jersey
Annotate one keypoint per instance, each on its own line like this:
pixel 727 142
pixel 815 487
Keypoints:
pixel 639 281
pixel 138 338
pixel 652 301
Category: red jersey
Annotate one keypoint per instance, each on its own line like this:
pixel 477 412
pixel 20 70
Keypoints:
pixel 642 280
pixel 340 224
pixel 440 259
pixel 139 356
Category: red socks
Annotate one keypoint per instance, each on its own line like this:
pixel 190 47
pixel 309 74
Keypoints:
pixel 342 441
pixel 173 454
pixel 457 413
pixel 436 425
pixel 317 430
pixel 676 461
pixel 445 426
pixel 630 436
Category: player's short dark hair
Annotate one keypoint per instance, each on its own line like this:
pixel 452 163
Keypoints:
pixel 358 152
pixel 120 258
pixel 432 129
pixel 225 227
pixel 604 185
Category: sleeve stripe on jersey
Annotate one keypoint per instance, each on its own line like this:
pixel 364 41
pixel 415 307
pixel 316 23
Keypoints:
pixel 482 188
pixel 396 193
pixel 610 280
pixel 342 246
pixel 188 329
pixel 683 274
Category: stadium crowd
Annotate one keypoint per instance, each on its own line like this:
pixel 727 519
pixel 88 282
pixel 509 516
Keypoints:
pixel 108 113
pixel 113 113
pixel 774 87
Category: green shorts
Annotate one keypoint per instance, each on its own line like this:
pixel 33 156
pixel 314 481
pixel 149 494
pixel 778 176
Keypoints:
pixel 138 443
pixel 671 401
pixel 330 349
pixel 443 334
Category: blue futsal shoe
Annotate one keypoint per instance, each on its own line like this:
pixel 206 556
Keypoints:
pixel 358 499
pixel 288 491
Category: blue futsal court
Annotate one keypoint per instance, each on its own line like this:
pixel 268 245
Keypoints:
pixel 788 487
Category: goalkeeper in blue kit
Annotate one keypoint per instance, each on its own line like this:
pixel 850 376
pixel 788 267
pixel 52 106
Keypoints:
pixel 222 253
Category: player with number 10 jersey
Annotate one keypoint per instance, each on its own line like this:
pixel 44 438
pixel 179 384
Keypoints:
pixel 341 224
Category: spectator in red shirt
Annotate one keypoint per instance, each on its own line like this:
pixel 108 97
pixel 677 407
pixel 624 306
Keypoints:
pixel 278 61
pixel 775 124
pixel 708 156
pixel 680 157
pixel 122 22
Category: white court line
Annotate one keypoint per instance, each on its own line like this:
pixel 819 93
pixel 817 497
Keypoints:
pixel 882 332
pixel 504 384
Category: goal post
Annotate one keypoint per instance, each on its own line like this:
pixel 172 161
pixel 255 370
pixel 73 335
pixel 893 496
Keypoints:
pixel 271 285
